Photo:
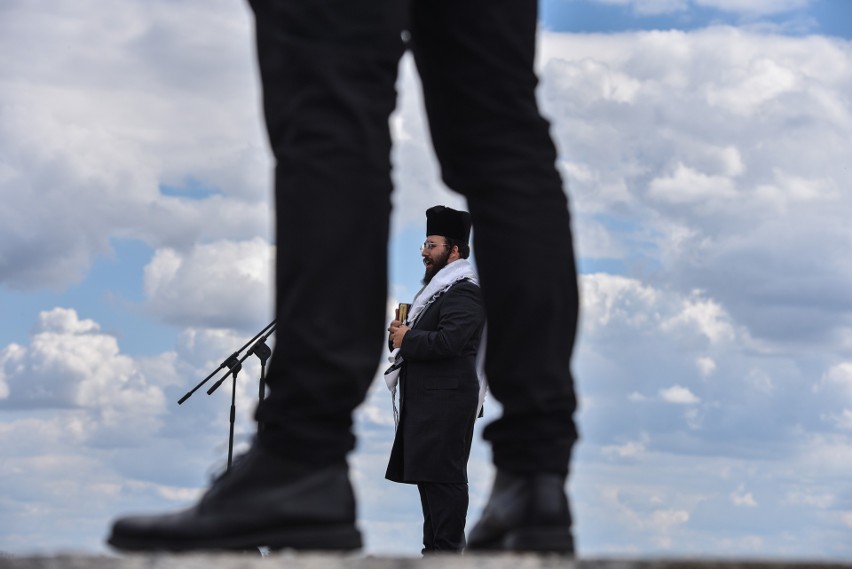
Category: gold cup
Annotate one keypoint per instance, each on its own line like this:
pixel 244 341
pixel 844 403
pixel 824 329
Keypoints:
pixel 402 311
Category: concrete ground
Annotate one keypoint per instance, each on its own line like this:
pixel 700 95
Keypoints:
pixel 356 561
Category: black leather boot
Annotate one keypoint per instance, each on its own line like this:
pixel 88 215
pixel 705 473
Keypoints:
pixel 263 501
pixel 526 512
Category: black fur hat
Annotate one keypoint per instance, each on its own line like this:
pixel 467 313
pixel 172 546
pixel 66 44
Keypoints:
pixel 448 222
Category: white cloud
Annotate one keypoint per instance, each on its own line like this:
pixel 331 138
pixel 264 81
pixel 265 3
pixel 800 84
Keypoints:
pixel 596 241
pixel 70 364
pixel 636 397
pixel 762 82
pixel 718 190
pixel 828 455
pixel 610 299
pixel 630 449
pixel 841 421
pixel 706 316
pixel 705 365
pixel 679 395
pixel 648 512
pixel 745 544
pixel 686 185
pixel 820 500
pixel 838 377
pixel 622 305
pixel 101 108
pixel 216 284
pixel 666 520
pixel 694 418
pixel 741 498
pixel 760 381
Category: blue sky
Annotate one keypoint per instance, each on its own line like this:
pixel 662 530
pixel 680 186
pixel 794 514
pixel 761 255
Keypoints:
pixel 705 149
pixel 823 17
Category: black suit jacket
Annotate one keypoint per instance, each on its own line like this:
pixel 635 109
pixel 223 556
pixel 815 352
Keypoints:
pixel 439 390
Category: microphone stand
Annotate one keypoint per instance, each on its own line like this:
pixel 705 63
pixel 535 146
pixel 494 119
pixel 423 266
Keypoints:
pixel 234 363
pixel 263 352
pixel 235 366
pixel 225 363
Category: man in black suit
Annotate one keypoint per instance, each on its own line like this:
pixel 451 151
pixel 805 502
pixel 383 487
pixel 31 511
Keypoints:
pixel 435 349
pixel 329 73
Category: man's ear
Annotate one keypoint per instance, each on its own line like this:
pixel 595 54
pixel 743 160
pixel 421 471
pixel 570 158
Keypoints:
pixel 455 252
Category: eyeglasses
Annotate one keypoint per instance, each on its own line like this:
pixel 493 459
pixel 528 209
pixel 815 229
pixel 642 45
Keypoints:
pixel 428 246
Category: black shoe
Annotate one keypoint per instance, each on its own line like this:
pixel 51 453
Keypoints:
pixel 525 513
pixel 263 501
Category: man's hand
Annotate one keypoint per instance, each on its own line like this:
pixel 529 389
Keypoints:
pixel 397 331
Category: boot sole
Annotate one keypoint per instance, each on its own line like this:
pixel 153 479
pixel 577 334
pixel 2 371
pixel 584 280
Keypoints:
pixel 537 540
pixel 326 538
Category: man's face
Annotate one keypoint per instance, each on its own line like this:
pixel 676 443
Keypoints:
pixel 436 256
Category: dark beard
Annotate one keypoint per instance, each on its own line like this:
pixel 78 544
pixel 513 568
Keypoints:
pixel 436 266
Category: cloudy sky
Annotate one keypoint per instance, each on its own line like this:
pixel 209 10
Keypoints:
pixel 706 151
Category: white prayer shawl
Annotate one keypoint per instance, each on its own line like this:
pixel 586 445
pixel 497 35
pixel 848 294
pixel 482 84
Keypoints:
pixel 442 281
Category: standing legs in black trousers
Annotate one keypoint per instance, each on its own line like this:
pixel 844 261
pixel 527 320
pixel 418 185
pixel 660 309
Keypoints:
pixel 328 72
pixel 444 515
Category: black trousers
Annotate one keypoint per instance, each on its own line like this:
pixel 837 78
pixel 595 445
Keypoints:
pixel 328 73
pixel 444 515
